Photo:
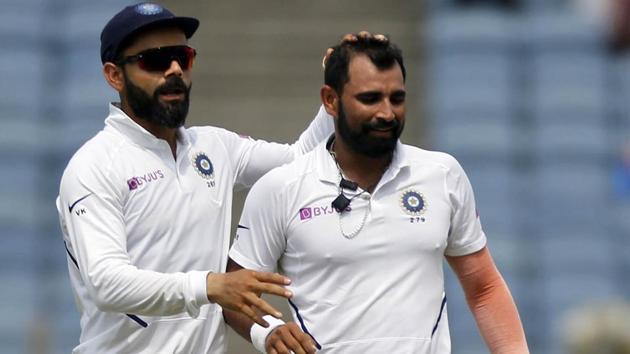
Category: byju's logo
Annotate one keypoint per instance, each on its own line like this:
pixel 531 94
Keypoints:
pixel 306 213
pixel 312 212
pixel 138 181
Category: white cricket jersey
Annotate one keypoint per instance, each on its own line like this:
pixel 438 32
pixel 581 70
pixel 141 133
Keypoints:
pixel 142 229
pixel 381 291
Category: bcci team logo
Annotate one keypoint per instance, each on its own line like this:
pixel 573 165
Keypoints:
pixel 148 9
pixel 203 165
pixel 413 203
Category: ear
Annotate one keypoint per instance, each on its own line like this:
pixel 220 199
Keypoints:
pixel 330 100
pixel 114 76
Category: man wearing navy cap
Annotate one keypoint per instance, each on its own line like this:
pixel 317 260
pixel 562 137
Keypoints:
pixel 145 204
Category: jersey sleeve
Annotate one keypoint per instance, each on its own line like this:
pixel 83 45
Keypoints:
pixel 253 158
pixel 465 235
pixel 90 209
pixel 261 234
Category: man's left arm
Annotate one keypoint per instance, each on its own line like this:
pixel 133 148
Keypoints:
pixel 490 301
pixel 258 245
pixel 253 158
pixel 280 337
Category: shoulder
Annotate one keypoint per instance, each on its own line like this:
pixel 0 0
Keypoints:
pixel 198 133
pixel 206 130
pixel 96 153
pixel 441 160
pixel 92 163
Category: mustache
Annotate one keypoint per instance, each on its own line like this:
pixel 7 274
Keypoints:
pixel 381 124
pixel 173 84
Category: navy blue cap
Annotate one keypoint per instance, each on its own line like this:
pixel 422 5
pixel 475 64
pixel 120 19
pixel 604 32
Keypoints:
pixel 134 18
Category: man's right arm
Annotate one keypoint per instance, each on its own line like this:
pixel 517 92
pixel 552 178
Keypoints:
pixel 491 303
pixel 91 212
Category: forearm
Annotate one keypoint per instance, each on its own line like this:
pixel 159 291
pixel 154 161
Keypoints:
pixel 127 289
pixel 243 325
pixel 97 244
pixel 490 302
pixel 320 128
pixel 257 157
pixel 498 320
pixel 240 323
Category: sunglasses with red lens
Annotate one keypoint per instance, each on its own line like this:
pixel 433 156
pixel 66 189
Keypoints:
pixel 160 58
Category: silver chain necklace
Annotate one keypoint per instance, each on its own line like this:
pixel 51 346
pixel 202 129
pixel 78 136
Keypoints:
pixel 368 209
pixel 358 229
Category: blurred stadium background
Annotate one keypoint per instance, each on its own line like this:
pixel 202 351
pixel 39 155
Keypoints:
pixel 526 94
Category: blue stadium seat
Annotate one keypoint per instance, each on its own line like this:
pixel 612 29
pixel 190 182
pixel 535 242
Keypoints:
pixel 19 202
pixel 81 122
pixel 16 317
pixel 20 21
pixel 561 30
pixel 84 19
pixel 87 84
pixel 461 66
pixel 461 98
pixel 21 137
pixel 621 215
pixel 547 100
pixel 495 191
pixel 570 251
pixel 17 248
pixel 569 81
pixel 578 139
pixel 584 182
pixel 478 28
pixel 567 292
pixel 477 138
pixel 21 87
pixel 66 328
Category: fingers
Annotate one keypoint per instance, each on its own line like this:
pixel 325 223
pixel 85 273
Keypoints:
pixel 380 37
pixel 252 315
pixel 352 37
pixel 364 34
pixel 281 348
pixel 289 338
pixel 269 283
pixel 289 341
pixel 271 289
pixel 304 339
pixel 240 291
pixel 274 278
pixel 265 307
pixel 329 51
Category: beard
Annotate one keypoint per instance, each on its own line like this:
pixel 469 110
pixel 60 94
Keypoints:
pixel 151 109
pixel 361 141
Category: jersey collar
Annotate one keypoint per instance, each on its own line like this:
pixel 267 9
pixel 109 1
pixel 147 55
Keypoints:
pixel 327 169
pixel 122 123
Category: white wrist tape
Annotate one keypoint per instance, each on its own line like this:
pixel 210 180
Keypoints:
pixel 259 333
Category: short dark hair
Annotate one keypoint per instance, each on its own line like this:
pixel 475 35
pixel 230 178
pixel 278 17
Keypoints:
pixel 383 53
